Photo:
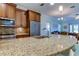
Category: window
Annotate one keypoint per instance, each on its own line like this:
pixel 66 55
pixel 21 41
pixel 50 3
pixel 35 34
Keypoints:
pixel 71 29
pixel 59 27
pixel 75 28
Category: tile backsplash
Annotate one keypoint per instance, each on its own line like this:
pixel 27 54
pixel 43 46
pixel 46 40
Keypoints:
pixel 6 31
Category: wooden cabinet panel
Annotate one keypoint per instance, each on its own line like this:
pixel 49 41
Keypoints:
pixel 37 17
pixel 11 11
pixel 21 23
pixel 24 22
pixel 2 10
pixel 33 16
pixel 8 10
pixel 18 18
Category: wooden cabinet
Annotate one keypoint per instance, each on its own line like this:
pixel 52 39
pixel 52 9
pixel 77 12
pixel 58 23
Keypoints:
pixel 11 10
pixel 8 10
pixel 33 16
pixel 23 19
pixel 21 29
pixel 2 10
pixel 20 18
pixel 37 17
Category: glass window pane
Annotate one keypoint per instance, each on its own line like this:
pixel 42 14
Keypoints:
pixel 59 27
pixel 71 29
pixel 75 28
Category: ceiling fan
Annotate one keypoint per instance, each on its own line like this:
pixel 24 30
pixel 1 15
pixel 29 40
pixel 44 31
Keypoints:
pixel 42 4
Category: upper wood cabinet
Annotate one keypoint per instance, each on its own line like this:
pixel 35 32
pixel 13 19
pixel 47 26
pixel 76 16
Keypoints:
pixel 33 16
pixel 11 10
pixel 23 19
pixel 2 10
pixel 20 18
pixel 8 10
pixel 37 16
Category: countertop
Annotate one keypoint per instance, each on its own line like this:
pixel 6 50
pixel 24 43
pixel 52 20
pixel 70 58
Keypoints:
pixel 32 46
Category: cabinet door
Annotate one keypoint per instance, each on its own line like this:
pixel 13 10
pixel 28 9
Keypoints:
pixel 31 15
pixel 37 17
pixel 11 11
pixel 18 18
pixel 24 22
pixel 2 10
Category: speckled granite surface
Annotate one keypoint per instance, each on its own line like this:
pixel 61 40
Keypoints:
pixel 36 47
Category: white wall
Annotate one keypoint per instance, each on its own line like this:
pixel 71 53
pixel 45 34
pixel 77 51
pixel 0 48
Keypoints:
pixel 44 20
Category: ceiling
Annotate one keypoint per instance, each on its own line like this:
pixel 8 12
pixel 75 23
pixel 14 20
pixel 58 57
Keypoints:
pixel 52 10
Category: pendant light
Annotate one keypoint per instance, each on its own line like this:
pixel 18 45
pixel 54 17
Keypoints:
pixel 60 8
pixel 51 3
pixel 61 11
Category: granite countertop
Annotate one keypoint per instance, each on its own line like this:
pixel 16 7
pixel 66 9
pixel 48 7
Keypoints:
pixel 31 46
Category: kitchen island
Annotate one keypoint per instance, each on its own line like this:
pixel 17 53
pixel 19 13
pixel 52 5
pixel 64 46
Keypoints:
pixel 32 46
